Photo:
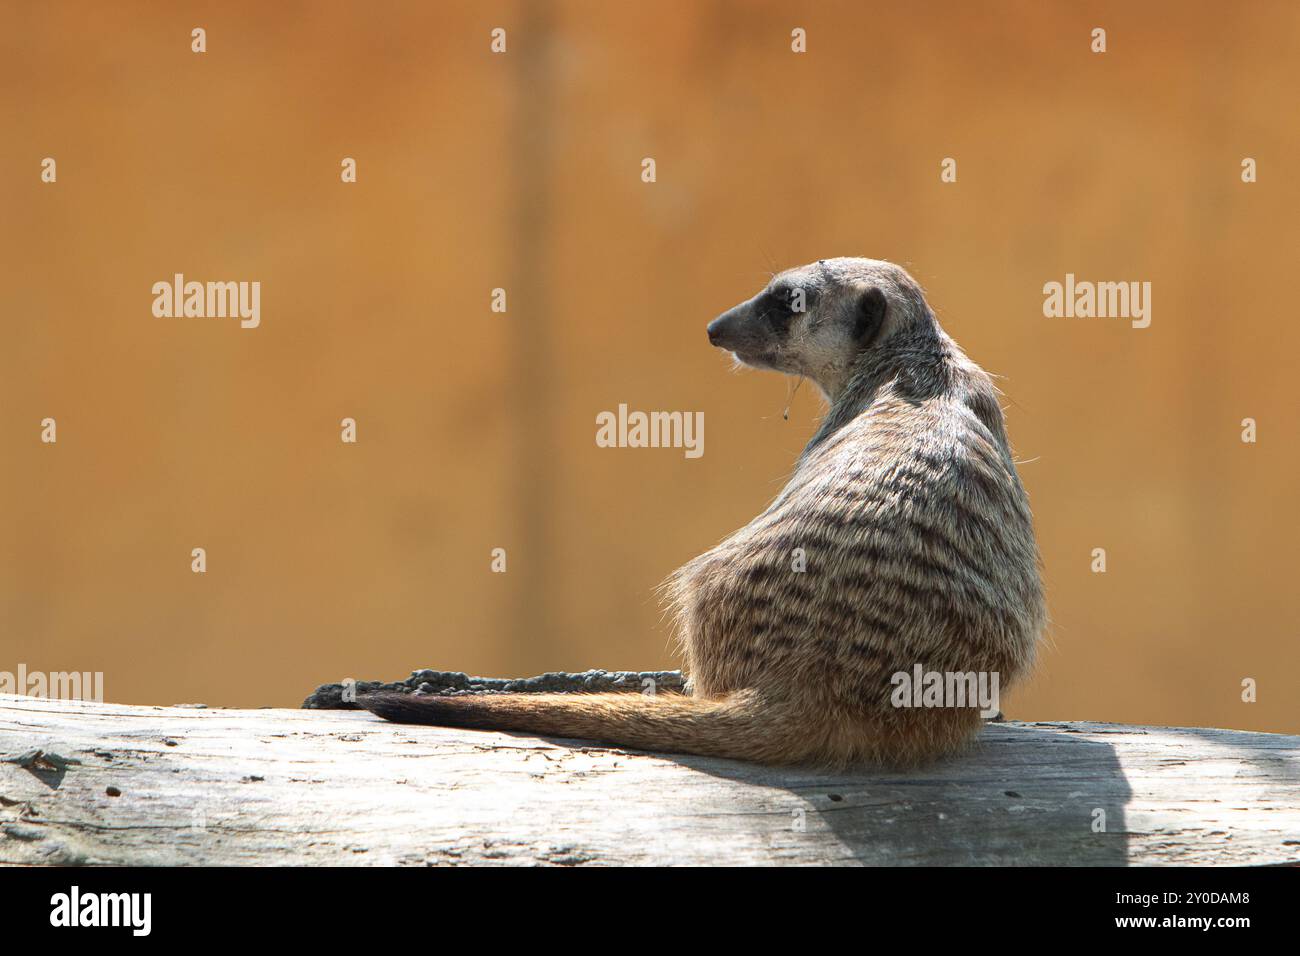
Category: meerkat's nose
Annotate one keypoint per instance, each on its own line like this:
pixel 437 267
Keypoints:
pixel 721 326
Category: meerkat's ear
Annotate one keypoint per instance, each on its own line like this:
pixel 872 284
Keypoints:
pixel 870 316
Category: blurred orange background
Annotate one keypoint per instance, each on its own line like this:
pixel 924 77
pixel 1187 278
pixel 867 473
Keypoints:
pixel 477 429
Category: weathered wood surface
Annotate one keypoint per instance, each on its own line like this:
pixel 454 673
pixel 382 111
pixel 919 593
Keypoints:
pixel 322 787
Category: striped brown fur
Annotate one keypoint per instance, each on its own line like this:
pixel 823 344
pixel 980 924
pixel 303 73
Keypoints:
pixel 918 542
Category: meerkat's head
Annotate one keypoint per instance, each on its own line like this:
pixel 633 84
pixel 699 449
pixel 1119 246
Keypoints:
pixel 818 320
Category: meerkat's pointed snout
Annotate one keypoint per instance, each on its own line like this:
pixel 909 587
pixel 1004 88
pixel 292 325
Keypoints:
pixel 746 331
pixel 722 330
pixel 715 332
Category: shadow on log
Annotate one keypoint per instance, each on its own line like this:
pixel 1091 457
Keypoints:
pixel 87 783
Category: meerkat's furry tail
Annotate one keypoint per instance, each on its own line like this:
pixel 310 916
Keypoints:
pixel 743 725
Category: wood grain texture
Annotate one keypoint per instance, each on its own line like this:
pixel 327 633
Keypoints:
pixel 323 787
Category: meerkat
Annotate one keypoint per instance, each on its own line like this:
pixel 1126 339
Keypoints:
pixel 903 538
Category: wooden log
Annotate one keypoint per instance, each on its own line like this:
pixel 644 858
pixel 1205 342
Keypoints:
pixel 116 784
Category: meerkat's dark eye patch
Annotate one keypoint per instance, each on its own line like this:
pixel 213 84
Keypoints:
pixel 778 318
pixel 870 316
pixel 775 308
